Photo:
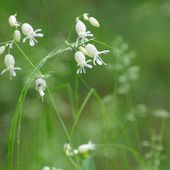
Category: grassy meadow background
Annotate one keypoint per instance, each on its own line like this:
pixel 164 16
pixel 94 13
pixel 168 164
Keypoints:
pixel 145 26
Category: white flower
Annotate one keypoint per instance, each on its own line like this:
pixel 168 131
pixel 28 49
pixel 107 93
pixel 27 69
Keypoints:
pixel 30 34
pixel 10 66
pixel 94 53
pixel 13 21
pixel 81 62
pixel 86 147
pixel 85 16
pixel 81 31
pixel 40 86
pixel 17 36
pixel 68 150
pixel 93 21
pixel 2 49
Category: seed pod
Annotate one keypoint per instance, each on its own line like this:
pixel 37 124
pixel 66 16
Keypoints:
pixel 2 49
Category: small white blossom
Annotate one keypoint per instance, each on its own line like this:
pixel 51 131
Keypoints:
pixel 81 62
pixel 30 34
pixel 17 36
pixel 40 86
pixel 85 16
pixel 10 66
pixel 94 53
pixel 2 49
pixel 82 32
pixel 93 21
pixel 86 147
pixel 83 50
pixel 68 150
pixel 13 21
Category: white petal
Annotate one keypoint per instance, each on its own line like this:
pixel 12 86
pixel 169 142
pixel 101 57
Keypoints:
pixel 13 73
pixel 88 65
pixel 98 61
pixel 32 43
pixel 3 71
pixel 39 35
pixel 24 40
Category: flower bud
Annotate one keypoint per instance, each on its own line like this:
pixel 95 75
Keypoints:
pixel 2 49
pixel 83 50
pixel 17 36
pixel 13 21
pixel 85 16
pixel 93 21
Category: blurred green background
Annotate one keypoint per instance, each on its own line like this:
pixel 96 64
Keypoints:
pixel 143 24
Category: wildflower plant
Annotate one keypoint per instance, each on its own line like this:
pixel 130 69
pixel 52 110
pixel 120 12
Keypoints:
pixel 153 155
pixel 30 34
pixel 86 55
pixel 125 71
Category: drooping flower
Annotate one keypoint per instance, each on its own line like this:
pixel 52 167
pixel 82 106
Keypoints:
pixel 84 148
pixel 93 21
pixel 81 62
pixel 94 53
pixel 17 36
pixel 82 32
pixel 2 49
pixel 10 66
pixel 13 21
pixel 30 34
pixel 40 86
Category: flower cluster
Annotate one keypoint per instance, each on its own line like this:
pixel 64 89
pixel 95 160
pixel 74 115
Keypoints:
pixel 82 149
pixel 29 33
pixel 153 155
pixel 126 71
pixel 83 48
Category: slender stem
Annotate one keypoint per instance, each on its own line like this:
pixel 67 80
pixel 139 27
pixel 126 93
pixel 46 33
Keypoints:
pixel 81 109
pixel 18 112
pixel 136 155
pixel 99 42
pixel 26 57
